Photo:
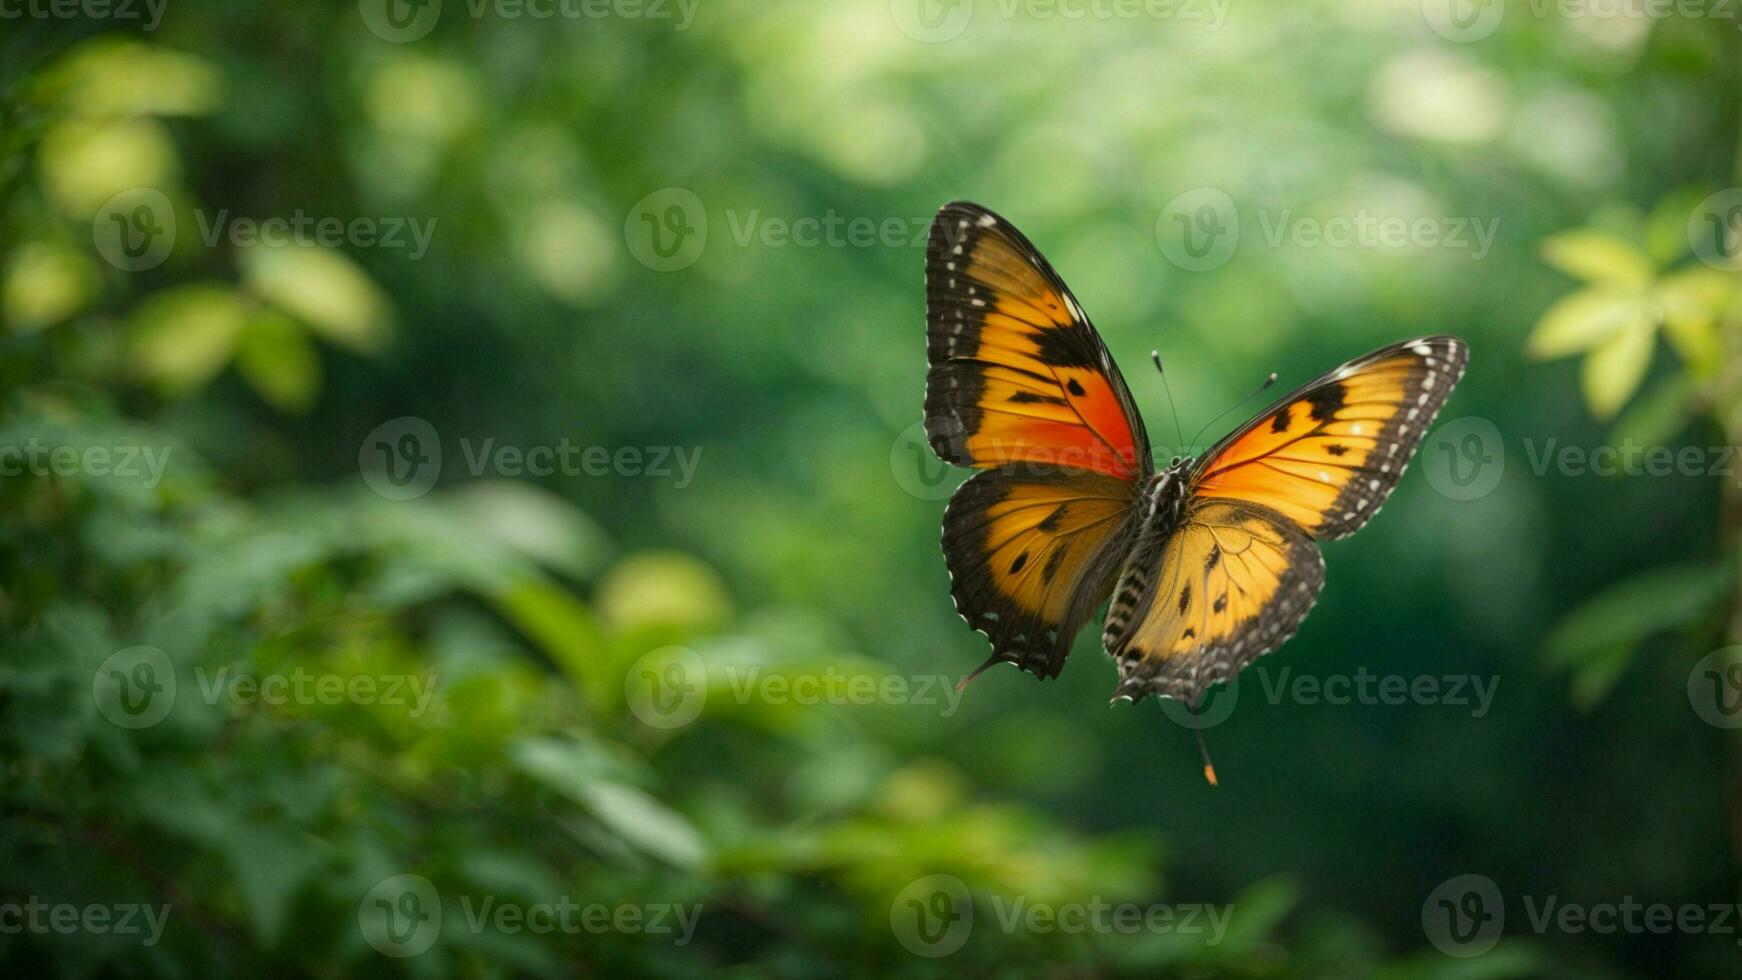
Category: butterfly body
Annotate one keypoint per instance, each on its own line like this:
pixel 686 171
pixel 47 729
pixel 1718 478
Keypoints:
pixel 1209 562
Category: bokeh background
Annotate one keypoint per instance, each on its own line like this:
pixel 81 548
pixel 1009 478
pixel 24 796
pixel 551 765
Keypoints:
pixel 626 244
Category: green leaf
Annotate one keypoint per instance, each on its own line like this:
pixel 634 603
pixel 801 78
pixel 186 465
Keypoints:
pixel 1595 640
pixel 324 289
pixel 1583 320
pixel 1597 257
pixel 270 866
pixel 182 337
pixel 276 358
pixel 1612 372
pixel 1692 303
pixel 1656 416
pixel 1666 231
pixel 46 283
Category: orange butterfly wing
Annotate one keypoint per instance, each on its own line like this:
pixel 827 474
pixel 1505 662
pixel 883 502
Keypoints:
pixel 1022 386
pixel 1327 455
pixel 1018 374
pixel 1240 570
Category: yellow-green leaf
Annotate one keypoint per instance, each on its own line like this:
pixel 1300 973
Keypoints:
pixel 1692 303
pixel 46 283
pixel 1582 320
pixel 1612 372
pixel 324 289
pixel 1598 257
pixel 181 337
pixel 276 358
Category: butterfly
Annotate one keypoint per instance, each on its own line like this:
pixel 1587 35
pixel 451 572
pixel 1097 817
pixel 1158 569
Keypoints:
pixel 1209 562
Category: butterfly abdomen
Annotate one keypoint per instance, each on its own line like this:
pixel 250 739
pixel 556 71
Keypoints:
pixel 1159 510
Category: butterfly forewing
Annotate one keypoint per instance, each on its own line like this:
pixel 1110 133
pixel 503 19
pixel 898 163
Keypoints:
pixel 1327 455
pixel 1022 386
pixel 1018 374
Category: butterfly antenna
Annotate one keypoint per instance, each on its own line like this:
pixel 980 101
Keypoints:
pixel 977 671
pixel 1203 750
pixel 1255 392
pixel 1155 356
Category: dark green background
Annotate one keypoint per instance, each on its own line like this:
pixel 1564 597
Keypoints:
pixel 797 373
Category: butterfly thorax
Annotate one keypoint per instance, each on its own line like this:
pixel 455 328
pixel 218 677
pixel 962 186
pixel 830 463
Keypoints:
pixel 1160 508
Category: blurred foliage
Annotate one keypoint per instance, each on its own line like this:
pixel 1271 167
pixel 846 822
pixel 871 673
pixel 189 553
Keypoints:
pixel 258 370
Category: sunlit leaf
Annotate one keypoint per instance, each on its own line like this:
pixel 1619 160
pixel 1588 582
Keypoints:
pixel 44 284
pixel 181 337
pixel 109 76
pixel 1612 372
pixel 1597 257
pixel 1693 302
pixel 275 356
pixel 84 164
pixel 1582 320
pixel 324 289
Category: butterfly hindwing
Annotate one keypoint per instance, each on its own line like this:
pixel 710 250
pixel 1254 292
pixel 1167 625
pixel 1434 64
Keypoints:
pixel 1328 454
pixel 1018 374
pixel 1032 556
pixel 1233 582
pixel 1235 569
